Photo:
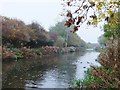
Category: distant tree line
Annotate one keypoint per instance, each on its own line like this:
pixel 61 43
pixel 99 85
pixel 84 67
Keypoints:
pixel 15 33
pixel 62 36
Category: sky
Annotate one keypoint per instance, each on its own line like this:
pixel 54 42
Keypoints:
pixel 46 13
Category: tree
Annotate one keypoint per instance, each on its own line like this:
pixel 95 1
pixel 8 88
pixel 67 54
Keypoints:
pixel 111 31
pixel 16 34
pixel 79 12
pixel 61 33
pixel 36 26
pixel 60 42
pixel 92 12
pixel 59 29
pixel 74 39
pixel 102 40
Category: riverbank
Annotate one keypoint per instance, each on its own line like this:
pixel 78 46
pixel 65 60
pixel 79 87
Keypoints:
pixel 27 53
pixel 107 76
pixel 20 40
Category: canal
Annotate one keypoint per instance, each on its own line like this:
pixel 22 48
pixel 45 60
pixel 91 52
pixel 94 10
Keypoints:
pixel 58 71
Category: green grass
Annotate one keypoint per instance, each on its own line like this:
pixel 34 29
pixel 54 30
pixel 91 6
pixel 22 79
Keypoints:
pixel 18 53
pixel 88 80
pixel 91 80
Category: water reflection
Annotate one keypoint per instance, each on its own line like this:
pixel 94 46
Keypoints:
pixel 53 72
pixel 84 62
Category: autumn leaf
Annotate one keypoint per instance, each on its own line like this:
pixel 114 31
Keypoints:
pixel 68 3
pixel 71 21
pixel 69 14
pixel 67 23
pixel 79 20
pixel 75 29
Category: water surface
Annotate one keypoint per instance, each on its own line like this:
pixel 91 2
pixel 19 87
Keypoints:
pixel 58 71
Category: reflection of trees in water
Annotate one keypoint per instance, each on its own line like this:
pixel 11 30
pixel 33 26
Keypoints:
pixel 66 67
pixel 16 73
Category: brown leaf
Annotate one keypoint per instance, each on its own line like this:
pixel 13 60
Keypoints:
pixel 68 3
pixel 75 29
pixel 69 14
pixel 79 20
pixel 71 21
pixel 67 23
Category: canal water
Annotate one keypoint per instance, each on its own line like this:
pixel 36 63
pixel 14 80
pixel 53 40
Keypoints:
pixel 58 71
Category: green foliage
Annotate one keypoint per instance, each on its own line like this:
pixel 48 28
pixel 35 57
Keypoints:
pixel 78 83
pixel 102 40
pixel 60 33
pixel 18 53
pixel 111 31
pixel 90 79
pixel 109 72
pixel 73 39
pixel 39 51
pixel 60 42
pixel 60 29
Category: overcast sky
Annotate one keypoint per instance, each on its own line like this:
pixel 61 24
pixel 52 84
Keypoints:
pixel 45 12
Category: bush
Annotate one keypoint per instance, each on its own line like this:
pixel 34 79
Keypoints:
pixel 107 76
